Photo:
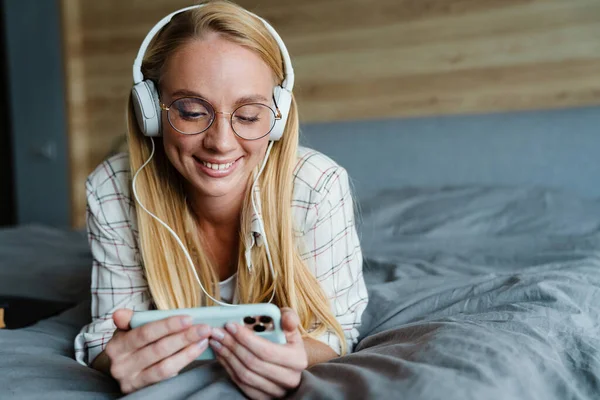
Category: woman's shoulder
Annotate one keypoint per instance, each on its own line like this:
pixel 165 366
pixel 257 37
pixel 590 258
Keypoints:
pixel 108 191
pixel 110 208
pixel 318 185
pixel 111 177
pixel 314 171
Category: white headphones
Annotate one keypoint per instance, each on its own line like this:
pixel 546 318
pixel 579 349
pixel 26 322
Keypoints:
pixel 145 98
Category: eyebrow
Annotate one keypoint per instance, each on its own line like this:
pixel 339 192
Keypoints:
pixel 254 98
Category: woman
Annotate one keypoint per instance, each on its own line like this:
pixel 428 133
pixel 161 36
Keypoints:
pixel 262 217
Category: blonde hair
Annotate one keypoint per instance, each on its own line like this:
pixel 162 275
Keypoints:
pixel 160 188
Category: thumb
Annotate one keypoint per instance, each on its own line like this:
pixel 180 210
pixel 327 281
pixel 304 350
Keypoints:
pixel 289 323
pixel 122 317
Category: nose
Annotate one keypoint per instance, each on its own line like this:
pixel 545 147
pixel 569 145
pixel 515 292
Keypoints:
pixel 220 136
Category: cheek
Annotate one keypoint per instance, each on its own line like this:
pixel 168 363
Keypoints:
pixel 176 147
pixel 171 147
pixel 175 143
pixel 256 150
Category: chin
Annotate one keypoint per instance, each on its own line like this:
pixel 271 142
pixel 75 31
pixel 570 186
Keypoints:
pixel 217 189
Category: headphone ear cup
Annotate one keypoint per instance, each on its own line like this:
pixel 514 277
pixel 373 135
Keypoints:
pixel 147 108
pixel 283 99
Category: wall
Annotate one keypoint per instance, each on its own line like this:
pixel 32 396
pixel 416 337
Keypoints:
pixel 557 148
pixel 354 60
pixel 40 157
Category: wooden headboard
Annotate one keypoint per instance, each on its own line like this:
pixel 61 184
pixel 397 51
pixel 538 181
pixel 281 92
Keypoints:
pixel 354 60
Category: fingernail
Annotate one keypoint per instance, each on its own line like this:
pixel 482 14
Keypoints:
pixel 231 327
pixel 203 343
pixel 217 333
pixel 203 330
pixel 186 321
pixel 216 345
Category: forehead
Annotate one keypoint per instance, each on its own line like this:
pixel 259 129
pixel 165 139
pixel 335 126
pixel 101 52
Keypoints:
pixel 217 68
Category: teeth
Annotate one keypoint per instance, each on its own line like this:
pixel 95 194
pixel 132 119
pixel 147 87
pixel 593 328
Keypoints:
pixel 217 167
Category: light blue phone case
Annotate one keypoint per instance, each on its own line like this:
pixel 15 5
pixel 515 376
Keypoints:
pixel 217 317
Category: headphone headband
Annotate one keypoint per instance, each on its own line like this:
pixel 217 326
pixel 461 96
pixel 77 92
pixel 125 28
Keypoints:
pixel 288 82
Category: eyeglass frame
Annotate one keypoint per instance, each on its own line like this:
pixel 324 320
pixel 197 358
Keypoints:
pixel 275 112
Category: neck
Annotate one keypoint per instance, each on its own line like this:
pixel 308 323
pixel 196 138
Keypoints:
pixel 218 220
pixel 217 213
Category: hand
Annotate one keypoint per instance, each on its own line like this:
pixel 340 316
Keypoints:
pixel 158 350
pixel 262 369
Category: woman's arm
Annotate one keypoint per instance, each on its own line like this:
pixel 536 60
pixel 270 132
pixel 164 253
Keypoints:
pixel 317 351
pixel 333 252
pixel 117 276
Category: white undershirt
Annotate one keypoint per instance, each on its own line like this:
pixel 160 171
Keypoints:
pixel 227 288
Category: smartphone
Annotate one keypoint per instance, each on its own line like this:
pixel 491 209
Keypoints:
pixel 264 319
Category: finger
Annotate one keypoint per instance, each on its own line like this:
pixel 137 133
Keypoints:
pixel 245 375
pixel 167 346
pixel 249 390
pixel 122 317
pixel 170 366
pixel 152 331
pixel 290 323
pixel 290 355
pixel 280 375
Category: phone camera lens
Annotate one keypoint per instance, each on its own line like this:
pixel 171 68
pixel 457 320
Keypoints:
pixel 249 320
pixel 259 328
pixel 265 319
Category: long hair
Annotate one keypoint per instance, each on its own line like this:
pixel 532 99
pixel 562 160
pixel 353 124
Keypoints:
pixel 160 188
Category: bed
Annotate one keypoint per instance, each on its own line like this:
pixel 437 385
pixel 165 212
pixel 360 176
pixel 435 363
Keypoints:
pixel 478 290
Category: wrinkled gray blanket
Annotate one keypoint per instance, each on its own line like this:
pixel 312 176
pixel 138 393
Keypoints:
pixel 476 293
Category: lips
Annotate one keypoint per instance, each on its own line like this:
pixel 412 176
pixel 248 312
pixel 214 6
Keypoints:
pixel 216 168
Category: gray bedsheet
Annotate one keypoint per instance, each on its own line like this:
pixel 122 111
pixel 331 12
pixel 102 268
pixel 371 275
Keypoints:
pixel 476 293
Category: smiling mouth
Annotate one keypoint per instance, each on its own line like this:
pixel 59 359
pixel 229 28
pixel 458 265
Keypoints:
pixel 215 166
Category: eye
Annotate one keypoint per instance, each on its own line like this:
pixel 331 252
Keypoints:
pixel 247 119
pixel 192 114
pixel 252 114
pixel 191 109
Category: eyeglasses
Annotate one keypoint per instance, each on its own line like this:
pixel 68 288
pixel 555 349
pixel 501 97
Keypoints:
pixel 193 115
